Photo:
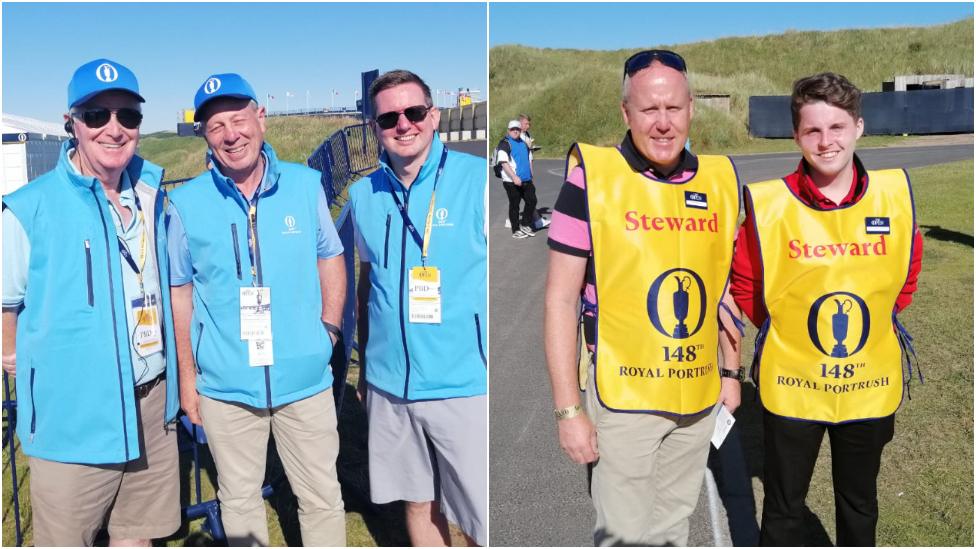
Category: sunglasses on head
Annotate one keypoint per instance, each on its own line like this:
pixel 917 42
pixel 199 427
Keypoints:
pixel 96 118
pixel 414 114
pixel 643 59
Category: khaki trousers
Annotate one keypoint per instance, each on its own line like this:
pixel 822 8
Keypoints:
pixel 649 476
pixel 140 498
pixel 308 445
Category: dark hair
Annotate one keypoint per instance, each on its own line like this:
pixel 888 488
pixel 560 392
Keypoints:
pixel 832 89
pixel 395 78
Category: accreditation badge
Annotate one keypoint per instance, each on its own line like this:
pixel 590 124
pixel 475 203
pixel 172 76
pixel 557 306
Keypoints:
pixel 255 313
pixel 425 295
pixel 148 337
pixel 260 352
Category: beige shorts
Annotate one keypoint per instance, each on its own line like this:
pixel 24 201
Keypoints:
pixel 138 499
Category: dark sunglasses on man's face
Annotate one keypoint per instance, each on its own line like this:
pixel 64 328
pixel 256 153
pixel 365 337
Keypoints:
pixel 643 59
pixel 414 114
pixel 96 118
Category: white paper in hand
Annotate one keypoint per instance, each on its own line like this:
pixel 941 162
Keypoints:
pixel 723 424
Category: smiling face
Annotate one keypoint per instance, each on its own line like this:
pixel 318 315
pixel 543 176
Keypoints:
pixel 105 151
pixel 234 129
pixel 827 136
pixel 657 108
pixel 407 142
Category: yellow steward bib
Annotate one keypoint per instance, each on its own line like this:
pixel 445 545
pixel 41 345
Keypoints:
pixel 661 253
pixel 829 351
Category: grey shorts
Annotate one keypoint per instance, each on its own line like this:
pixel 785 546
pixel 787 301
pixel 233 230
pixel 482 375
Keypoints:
pixel 431 450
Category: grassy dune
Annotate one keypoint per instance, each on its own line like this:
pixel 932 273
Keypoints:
pixel 574 95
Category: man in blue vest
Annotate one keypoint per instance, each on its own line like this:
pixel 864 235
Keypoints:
pixel 86 326
pixel 258 284
pixel 421 235
pixel 515 159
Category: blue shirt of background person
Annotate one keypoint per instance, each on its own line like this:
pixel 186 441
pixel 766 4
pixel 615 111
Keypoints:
pixel 520 154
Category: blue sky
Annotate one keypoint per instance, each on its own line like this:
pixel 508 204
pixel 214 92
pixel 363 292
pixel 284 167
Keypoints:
pixel 279 48
pixel 619 25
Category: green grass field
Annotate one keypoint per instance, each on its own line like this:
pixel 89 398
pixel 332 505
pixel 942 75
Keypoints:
pixel 574 95
pixel 925 489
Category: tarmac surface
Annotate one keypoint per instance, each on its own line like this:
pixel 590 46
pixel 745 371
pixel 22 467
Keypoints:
pixel 539 497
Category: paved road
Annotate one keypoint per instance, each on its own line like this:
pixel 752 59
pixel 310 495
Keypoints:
pixel 538 497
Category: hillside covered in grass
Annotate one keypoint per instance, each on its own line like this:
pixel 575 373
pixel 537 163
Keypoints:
pixel 574 95
pixel 293 138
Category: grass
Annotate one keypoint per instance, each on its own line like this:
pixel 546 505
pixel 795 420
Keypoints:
pixel 925 488
pixel 367 524
pixel 574 95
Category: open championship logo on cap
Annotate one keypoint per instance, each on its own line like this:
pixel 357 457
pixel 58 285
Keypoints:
pixel 211 86
pixel 676 296
pixel 107 73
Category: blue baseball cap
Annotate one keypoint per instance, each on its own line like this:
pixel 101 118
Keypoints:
pixel 98 76
pixel 221 85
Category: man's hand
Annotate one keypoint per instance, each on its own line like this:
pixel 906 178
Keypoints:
pixel 10 364
pixel 577 437
pixel 517 181
pixel 731 394
pixel 190 400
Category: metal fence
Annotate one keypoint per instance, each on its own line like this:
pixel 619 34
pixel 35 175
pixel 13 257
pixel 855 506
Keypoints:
pixel 917 112
pixel 343 157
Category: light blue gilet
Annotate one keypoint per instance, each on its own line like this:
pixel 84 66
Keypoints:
pixel 427 361
pixel 215 217
pixel 74 368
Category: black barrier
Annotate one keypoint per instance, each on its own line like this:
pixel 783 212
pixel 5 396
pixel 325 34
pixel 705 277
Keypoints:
pixel 344 156
pixel 916 112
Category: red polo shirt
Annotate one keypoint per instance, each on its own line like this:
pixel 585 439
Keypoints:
pixel 747 280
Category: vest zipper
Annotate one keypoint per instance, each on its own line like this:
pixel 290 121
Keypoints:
pixel 477 331
pixel 88 271
pixel 386 244
pixel 403 270
pixel 237 250
pixel 115 322
pixel 33 407
pixel 196 350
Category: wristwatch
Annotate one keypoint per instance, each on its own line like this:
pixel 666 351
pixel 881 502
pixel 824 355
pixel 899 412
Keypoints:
pixel 734 374
pixel 568 412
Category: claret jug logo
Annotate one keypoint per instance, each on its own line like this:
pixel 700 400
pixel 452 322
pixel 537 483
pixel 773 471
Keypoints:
pixel 839 319
pixel 676 301
pixel 106 73
pixel 211 86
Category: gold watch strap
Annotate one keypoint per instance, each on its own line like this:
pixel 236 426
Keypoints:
pixel 568 412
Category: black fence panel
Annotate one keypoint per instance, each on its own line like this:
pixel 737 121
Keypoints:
pixel 343 157
pixel 916 112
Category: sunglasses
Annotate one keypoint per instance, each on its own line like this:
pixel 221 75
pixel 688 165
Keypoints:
pixel 96 118
pixel 414 114
pixel 643 59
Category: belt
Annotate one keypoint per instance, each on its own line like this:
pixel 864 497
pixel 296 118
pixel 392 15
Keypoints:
pixel 143 390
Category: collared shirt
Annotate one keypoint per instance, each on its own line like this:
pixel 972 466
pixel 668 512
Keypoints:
pixel 181 264
pixel 16 257
pixel 746 280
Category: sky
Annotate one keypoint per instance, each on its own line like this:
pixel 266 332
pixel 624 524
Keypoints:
pixel 278 48
pixel 615 26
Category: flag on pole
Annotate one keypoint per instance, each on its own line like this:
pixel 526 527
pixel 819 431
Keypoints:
pixel 289 94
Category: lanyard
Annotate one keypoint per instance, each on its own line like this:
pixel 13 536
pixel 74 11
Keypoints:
pixel 252 236
pixel 423 242
pixel 124 250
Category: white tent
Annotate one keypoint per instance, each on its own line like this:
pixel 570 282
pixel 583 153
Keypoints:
pixel 22 124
